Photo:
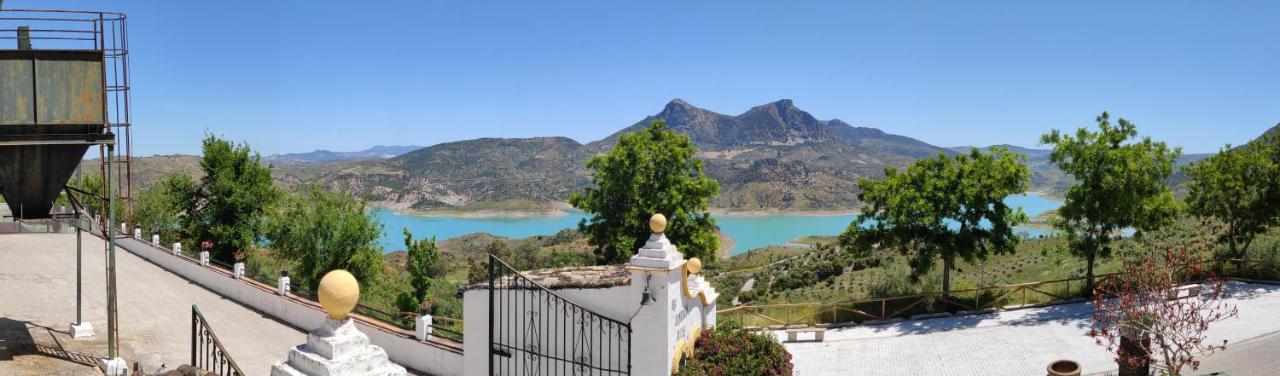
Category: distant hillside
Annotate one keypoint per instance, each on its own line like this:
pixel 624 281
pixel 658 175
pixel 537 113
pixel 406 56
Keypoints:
pixel 325 156
pixel 1275 130
pixel 149 170
pixel 487 173
pixel 773 156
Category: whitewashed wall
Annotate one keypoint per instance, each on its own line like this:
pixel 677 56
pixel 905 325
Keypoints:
pixel 401 346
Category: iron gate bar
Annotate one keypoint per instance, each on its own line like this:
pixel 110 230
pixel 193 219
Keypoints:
pixel 581 341
pixel 207 352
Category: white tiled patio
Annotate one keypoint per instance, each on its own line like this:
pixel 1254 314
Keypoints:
pixel 1024 342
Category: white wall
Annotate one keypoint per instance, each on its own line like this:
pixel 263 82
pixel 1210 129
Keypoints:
pixel 400 345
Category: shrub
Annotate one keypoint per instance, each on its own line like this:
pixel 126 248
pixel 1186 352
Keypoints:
pixel 730 350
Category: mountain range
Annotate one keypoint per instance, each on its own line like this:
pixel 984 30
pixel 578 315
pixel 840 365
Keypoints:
pixel 771 157
pixel 326 156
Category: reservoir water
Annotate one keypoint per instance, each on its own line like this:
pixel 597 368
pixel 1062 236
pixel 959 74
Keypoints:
pixel 747 231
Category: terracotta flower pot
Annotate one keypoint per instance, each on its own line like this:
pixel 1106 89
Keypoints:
pixel 1064 368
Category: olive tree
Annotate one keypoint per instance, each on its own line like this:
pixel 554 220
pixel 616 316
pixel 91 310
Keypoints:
pixel 1240 188
pixel 944 207
pixel 229 206
pixel 422 254
pixel 320 231
pixel 1120 183
pixel 654 170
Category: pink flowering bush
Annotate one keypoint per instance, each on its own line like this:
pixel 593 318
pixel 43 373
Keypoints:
pixel 1167 329
pixel 731 350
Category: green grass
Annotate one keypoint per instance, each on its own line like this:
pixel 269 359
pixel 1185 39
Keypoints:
pixel 886 275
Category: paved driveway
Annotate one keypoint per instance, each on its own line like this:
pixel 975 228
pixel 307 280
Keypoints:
pixel 37 301
pixel 1023 342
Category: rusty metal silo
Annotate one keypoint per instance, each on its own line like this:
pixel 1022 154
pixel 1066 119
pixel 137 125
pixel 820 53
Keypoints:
pixel 57 79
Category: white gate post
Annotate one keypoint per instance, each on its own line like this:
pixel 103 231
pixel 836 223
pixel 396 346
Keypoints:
pixel 668 302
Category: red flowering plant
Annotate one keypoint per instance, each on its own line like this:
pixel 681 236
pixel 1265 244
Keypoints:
pixel 206 245
pixel 730 350
pixel 1147 317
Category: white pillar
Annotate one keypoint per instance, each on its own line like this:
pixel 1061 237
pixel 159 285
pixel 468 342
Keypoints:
pixel 673 315
pixel 155 239
pixel 237 270
pixel 124 227
pixel 284 285
pixel 114 366
pixel 655 274
pixel 204 258
pixel 177 249
pixel 422 327
pixel 137 233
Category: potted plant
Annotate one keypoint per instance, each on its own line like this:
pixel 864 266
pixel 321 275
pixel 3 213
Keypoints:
pixel 1064 368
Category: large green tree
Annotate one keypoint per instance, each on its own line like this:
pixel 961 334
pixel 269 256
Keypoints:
pixel 422 253
pixel 320 231
pixel 1239 187
pixel 1119 184
pixel 159 209
pixel 650 171
pixel 944 207
pixel 230 205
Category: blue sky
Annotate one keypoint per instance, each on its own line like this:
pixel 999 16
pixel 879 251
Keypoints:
pixel 295 76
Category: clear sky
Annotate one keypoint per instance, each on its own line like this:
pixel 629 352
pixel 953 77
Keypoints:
pixel 294 76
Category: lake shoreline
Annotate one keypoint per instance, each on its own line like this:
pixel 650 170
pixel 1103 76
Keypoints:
pixel 740 230
pixel 561 209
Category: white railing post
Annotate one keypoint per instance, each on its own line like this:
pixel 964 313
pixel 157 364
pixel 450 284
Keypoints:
pixel 237 270
pixel 177 249
pixel 124 228
pixel 155 239
pixel 137 233
pixel 204 258
pixel 284 285
pixel 422 327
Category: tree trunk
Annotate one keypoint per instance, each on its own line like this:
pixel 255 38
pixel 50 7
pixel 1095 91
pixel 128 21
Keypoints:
pixel 1138 344
pixel 946 280
pixel 1088 280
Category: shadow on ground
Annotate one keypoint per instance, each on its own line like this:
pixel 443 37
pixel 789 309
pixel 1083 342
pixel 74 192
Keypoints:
pixel 16 341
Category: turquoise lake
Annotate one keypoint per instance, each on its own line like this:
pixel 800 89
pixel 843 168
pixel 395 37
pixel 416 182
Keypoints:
pixel 747 232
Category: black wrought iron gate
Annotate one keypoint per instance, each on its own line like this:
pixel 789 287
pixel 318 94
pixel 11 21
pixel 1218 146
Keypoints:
pixel 533 331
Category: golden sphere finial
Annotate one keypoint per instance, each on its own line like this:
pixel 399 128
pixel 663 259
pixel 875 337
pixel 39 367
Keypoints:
pixel 658 223
pixel 694 265
pixel 339 292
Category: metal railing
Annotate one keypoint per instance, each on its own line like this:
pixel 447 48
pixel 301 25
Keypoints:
pixel 441 326
pixel 534 331
pixel 207 352
pixel 983 298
